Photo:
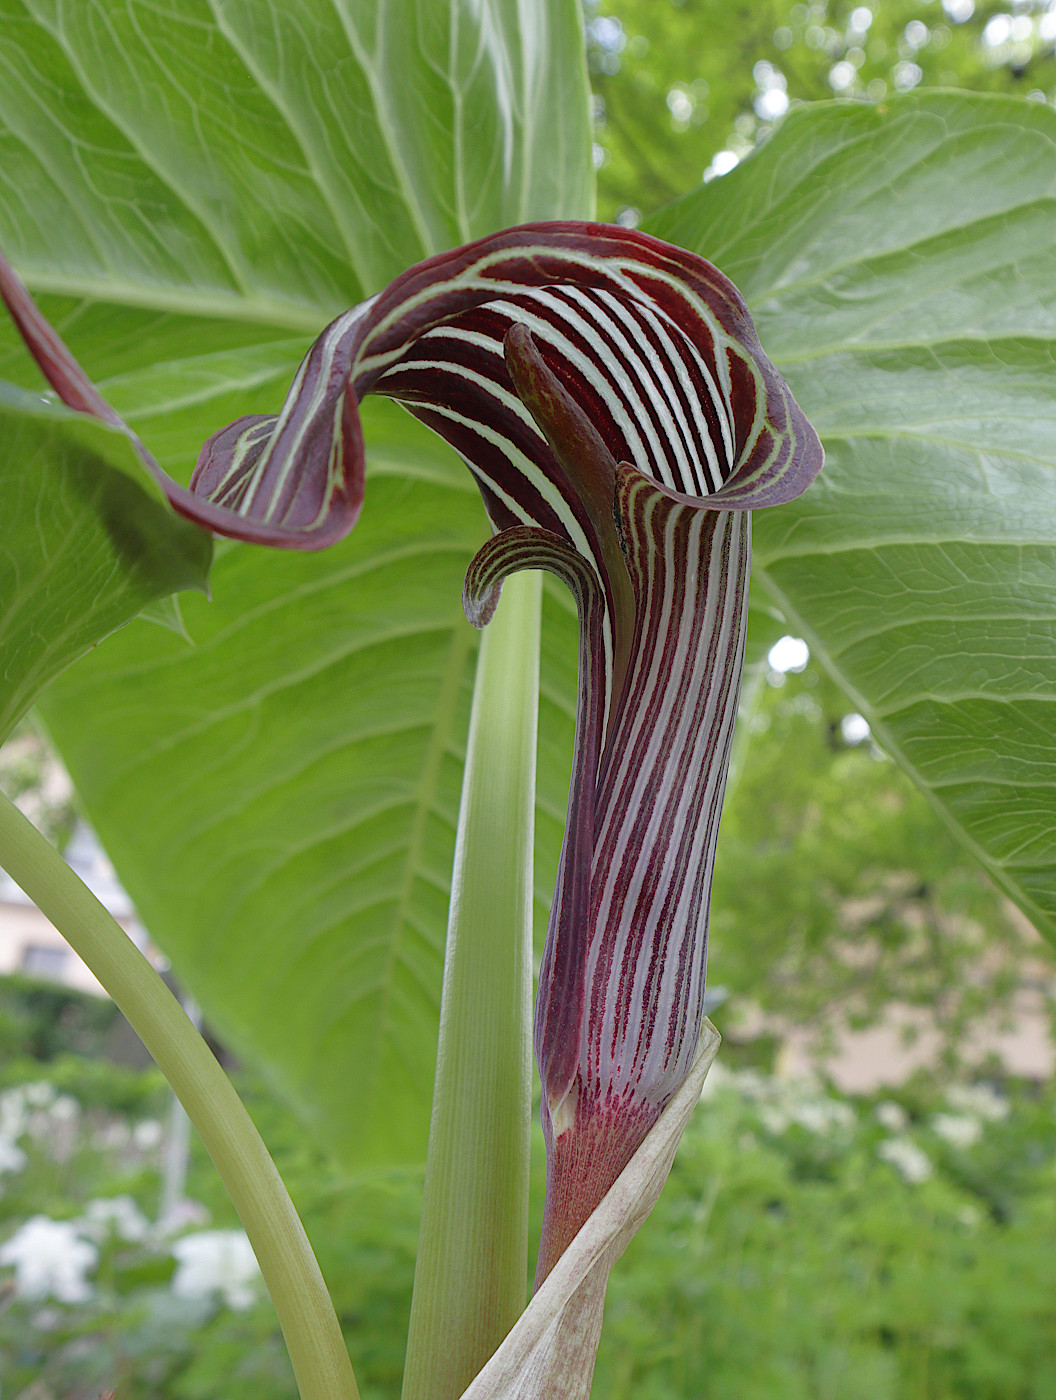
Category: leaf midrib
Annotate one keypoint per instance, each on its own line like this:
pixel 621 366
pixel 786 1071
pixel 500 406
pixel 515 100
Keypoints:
pixel 877 347
pixel 229 256
pixel 462 643
pixel 210 304
pixel 991 864
pixel 819 278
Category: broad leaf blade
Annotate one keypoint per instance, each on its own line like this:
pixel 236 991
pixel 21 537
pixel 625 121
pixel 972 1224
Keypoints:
pixel 308 749
pixel 279 161
pixel 900 263
pixel 88 541
pixel 280 799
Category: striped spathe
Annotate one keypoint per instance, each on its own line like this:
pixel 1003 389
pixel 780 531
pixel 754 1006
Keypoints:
pixel 611 399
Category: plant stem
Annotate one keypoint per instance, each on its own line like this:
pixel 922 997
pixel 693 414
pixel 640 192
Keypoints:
pixel 471 1275
pixel 306 1314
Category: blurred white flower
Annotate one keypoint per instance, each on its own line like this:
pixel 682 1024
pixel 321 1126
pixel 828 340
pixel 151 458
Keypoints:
pixel 802 1101
pixel 39 1095
pixel 35 1109
pixel 980 1100
pixel 718 1078
pixel 113 1136
pixel 912 1164
pixel 773 1119
pixel 50 1260
pixel 216 1261
pixel 958 1129
pixel 891 1116
pixel 12 1113
pixel 118 1215
pixel 46 1320
pixel 53 1120
pixel 751 1084
pixel 182 1215
pixel 12 1158
pixel 147 1134
pixel 64 1109
pixel 823 1116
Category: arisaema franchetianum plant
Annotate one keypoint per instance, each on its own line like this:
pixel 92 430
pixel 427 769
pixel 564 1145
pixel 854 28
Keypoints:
pixel 609 395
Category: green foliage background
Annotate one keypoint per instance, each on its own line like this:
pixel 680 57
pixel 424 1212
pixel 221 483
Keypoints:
pixel 786 1257
pixel 877 899
pixel 675 81
pixel 898 255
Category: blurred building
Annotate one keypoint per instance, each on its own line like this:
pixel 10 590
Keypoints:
pixel 31 946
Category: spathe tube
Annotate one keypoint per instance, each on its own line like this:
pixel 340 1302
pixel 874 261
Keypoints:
pixel 550 1352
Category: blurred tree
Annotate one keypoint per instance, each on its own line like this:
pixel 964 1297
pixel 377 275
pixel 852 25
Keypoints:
pixel 837 886
pixel 678 83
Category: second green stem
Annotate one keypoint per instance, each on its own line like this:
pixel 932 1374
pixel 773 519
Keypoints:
pixel 471 1275
pixel 306 1314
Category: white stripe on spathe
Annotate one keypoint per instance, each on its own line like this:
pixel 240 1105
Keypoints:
pixel 622 273
pixel 549 321
pixel 660 440
pixel 314 375
pixel 703 737
pixel 530 471
pixel 630 378
pixel 685 722
pixel 608 310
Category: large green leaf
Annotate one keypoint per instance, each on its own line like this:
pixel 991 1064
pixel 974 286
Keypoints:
pixel 88 541
pixel 268 161
pixel 197 188
pixel 900 262
pixel 281 797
